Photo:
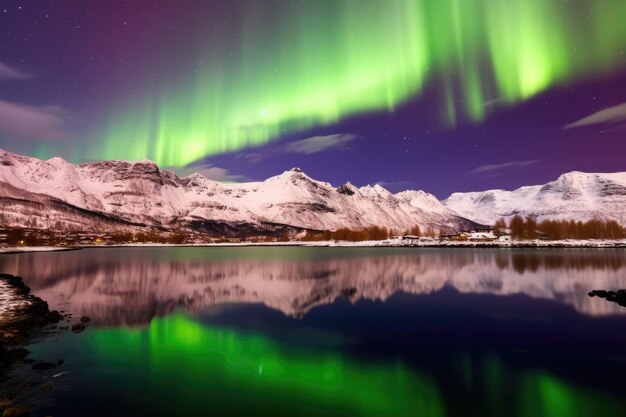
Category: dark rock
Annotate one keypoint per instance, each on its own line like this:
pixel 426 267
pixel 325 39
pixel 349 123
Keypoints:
pixel 26 317
pixel 60 362
pixel 6 403
pixel 618 297
pixel 345 189
pixel 5 358
pixel 78 328
pixel 43 366
pixel 18 354
pixel 16 412
pixel 84 319
pixel 54 316
pixel 348 292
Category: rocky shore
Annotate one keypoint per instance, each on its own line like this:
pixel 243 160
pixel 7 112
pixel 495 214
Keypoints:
pixel 25 319
pixel 22 314
pixel 618 297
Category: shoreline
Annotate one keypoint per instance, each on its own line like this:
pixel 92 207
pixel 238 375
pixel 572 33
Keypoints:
pixel 26 319
pixel 22 314
pixel 390 243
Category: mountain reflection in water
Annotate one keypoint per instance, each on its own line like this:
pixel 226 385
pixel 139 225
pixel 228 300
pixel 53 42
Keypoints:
pixel 132 285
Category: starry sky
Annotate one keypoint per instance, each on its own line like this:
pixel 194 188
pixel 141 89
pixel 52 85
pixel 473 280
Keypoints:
pixel 440 95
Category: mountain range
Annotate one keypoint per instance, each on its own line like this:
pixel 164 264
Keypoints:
pixel 573 196
pixel 126 196
pixel 121 195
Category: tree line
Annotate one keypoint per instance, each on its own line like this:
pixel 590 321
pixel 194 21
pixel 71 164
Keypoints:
pixel 529 228
pixel 370 233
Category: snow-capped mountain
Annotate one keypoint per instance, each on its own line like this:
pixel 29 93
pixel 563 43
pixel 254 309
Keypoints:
pixel 121 194
pixel 573 196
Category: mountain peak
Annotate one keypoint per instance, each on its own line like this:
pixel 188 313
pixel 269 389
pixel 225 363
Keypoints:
pixel 57 160
pixel 347 189
pixel 195 175
pixel 145 161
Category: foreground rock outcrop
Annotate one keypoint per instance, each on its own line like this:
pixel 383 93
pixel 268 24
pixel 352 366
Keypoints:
pixel 21 313
pixel 24 319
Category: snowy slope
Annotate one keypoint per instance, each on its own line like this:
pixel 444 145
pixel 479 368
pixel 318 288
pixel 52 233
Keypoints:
pixel 141 193
pixel 574 195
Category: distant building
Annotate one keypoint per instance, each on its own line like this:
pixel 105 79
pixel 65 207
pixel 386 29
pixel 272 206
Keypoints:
pixel 455 236
pixel 482 236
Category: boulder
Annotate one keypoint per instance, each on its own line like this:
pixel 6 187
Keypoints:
pixel 78 328
pixel 16 412
pixel 41 366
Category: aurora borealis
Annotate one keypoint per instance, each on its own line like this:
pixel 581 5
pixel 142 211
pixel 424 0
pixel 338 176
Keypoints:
pixel 324 61
pixel 418 84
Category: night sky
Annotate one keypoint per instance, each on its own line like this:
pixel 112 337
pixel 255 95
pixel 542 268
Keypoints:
pixel 440 95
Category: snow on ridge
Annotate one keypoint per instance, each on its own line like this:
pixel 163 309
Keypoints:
pixel 572 196
pixel 140 192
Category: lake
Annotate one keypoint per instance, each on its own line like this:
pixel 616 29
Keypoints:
pixel 332 331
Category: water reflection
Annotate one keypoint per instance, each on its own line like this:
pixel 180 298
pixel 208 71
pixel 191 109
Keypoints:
pixel 179 366
pixel 198 331
pixel 132 285
pixel 276 380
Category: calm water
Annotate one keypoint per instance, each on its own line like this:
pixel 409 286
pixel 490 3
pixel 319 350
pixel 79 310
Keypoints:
pixel 323 331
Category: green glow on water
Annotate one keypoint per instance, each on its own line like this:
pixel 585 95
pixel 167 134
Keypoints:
pixel 204 366
pixel 544 395
pixel 314 63
pixel 210 368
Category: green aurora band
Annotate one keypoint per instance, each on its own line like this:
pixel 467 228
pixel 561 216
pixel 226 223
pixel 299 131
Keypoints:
pixel 313 63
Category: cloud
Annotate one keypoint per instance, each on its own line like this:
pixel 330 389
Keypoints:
pixel 497 167
pixel 615 114
pixel 394 185
pixel 252 157
pixel 221 174
pixel 307 146
pixel 211 172
pixel 319 143
pixel 24 122
pixel 9 73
